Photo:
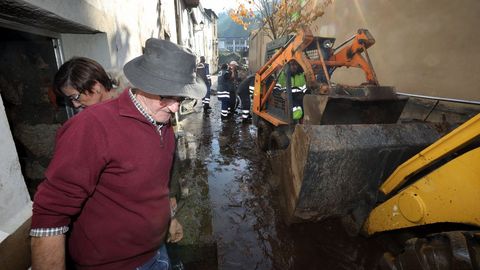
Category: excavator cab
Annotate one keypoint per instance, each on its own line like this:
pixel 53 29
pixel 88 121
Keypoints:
pixel 288 92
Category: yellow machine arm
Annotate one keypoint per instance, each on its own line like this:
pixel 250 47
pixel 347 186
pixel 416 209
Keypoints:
pixel 450 193
pixel 446 145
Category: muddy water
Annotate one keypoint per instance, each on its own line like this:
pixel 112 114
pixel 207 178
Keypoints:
pixel 247 224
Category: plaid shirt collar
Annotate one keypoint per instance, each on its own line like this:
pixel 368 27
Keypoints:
pixel 143 112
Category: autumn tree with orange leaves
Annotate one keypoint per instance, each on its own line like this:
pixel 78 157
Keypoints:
pixel 278 17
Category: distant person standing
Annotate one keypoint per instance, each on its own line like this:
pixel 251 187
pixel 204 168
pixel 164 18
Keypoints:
pixel 233 82
pixel 203 71
pixel 244 93
pixel 223 90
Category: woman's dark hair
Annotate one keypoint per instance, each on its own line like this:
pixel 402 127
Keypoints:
pixel 81 73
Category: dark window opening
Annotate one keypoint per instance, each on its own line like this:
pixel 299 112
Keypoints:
pixel 27 68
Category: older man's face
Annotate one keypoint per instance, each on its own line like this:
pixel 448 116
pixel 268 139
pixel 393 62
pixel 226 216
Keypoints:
pixel 160 108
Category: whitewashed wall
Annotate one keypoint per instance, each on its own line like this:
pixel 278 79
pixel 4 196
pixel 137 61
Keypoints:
pixel 168 20
pixel 125 25
pixel 204 36
pixel 15 204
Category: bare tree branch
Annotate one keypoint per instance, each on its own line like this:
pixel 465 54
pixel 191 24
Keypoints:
pixel 279 17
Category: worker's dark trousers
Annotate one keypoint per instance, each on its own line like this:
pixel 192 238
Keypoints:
pixel 232 101
pixel 245 99
pixel 224 98
pixel 206 99
pixel 245 89
pixel 226 108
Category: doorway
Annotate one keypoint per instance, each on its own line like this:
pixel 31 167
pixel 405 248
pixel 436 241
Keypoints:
pixel 27 66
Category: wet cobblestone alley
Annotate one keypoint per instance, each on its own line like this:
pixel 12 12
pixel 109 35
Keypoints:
pixel 222 171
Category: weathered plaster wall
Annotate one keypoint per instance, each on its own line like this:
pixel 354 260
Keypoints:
pixel 167 19
pixel 124 25
pixel 204 37
pixel 94 46
pixel 425 47
pixel 257 49
pixel 15 204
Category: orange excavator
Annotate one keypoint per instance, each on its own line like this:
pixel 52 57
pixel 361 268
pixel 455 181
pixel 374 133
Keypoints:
pixel 324 102
pixel 332 159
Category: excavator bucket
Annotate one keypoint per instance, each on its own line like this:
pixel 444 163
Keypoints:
pixel 335 170
pixel 354 105
pixel 348 144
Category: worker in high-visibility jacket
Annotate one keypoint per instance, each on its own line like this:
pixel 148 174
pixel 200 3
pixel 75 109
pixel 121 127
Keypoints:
pixel 298 85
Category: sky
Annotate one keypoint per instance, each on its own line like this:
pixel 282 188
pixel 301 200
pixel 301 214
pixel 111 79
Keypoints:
pixel 219 5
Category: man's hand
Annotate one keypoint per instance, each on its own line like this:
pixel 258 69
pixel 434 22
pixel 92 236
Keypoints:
pixel 173 204
pixel 175 231
pixel 48 253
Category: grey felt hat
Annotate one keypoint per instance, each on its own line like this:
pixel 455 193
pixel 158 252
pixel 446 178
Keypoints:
pixel 165 69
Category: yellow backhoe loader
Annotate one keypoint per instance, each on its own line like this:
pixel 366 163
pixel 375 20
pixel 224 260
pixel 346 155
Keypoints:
pixel 349 143
pixel 438 192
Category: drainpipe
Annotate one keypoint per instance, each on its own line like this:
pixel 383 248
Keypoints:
pixel 178 18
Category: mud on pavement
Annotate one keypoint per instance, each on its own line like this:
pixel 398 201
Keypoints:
pixel 230 211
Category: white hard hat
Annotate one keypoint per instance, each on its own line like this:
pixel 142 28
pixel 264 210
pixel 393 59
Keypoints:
pixel 233 63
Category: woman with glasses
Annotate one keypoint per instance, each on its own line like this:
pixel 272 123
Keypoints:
pixel 83 82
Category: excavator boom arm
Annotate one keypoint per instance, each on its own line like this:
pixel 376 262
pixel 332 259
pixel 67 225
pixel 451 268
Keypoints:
pixel 351 55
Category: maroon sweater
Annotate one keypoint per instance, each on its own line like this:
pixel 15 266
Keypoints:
pixel 108 179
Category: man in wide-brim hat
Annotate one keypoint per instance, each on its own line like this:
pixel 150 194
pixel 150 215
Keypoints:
pixel 112 192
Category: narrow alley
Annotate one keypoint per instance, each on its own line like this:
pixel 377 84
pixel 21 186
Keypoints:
pixel 355 144
pixel 220 158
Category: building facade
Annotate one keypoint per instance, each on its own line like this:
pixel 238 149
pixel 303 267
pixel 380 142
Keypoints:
pixel 205 35
pixel 233 44
pixel 37 37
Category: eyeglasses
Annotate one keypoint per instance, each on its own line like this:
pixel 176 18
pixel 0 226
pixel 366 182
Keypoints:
pixel 176 98
pixel 75 97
